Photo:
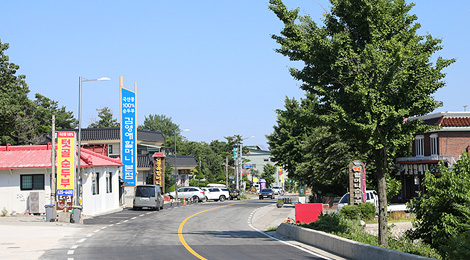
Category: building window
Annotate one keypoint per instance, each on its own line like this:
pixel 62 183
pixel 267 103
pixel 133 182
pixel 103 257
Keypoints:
pixel 434 150
pixel 109 183
pixel 95 183
pixel 32 182
pixel 419 143
pixel 110 149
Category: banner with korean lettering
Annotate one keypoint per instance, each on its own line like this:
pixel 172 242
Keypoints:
pixel 65 162
pixel 128 136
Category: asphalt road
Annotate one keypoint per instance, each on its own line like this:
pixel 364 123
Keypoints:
pixel 213 230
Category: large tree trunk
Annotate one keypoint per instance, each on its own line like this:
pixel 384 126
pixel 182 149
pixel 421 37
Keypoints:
pixel 382 192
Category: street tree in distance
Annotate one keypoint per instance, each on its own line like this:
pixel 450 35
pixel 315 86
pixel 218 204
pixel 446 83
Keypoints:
pixel 370 71
pixel 106 119
pixel 45 108
pixel 268 174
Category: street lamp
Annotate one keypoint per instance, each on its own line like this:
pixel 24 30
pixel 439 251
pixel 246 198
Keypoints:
pixel 176 168
pixel 239 164
pixel 80 80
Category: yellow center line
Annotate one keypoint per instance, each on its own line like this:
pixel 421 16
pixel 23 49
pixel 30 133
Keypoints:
pixel 180 232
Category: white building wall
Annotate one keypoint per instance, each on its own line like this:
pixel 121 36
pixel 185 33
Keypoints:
pixel 12 198
pixel 102 202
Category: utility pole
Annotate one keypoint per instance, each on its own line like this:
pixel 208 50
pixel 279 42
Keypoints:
pixel 226 171
pixel 53 178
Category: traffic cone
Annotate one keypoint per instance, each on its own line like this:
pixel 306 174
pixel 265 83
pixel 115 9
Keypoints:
pixel 184 202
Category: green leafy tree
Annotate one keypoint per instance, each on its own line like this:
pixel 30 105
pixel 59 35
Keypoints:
pixel 163 124
pixel 370 70
pixel 45 108
pixel 17 111
pixel 442 212
pixel 312 152
pixel 106 119
pixel 268 174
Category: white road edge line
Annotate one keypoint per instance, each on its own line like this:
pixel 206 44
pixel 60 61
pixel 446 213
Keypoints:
pixel 74 247
pixel 70 252
pixel 81 240
pixel 287 243
pixel 134 218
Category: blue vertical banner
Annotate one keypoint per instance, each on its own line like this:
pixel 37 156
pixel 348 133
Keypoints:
pixel 128 136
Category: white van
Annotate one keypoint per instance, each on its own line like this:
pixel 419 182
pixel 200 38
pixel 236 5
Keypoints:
pixel 148 196
pixel 371 196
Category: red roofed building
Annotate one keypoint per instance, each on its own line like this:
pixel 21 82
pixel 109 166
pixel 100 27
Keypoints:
pixel 445 144
pixel 25 180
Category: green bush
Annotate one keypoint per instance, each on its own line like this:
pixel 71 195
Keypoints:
pixel 367 210
pixel 441 210
pixel 331 223
pixel 350 212
pixel 338 225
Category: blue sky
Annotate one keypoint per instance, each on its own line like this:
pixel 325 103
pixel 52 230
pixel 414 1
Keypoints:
pixel 209 65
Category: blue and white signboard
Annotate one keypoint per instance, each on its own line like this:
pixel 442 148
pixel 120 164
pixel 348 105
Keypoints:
pixel 128 136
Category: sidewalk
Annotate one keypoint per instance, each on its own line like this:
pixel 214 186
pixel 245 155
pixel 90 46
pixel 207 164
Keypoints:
pixel 28 237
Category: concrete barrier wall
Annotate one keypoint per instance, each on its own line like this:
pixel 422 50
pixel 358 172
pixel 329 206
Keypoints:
pixel 341 246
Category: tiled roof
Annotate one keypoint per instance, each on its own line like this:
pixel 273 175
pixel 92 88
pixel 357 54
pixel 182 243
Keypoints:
pixel 113 133
pixel 182 160
pixel 454 122
pixel 39 156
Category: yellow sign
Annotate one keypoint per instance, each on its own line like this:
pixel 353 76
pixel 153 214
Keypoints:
pixel 65 162
pixel 255 179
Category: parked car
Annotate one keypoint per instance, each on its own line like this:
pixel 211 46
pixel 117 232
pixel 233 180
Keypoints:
pixel 217 194
pixel 148 196
pixel 278 190
pixel 234 194
pixel 268 193
pixel 188 192
pixel 371 196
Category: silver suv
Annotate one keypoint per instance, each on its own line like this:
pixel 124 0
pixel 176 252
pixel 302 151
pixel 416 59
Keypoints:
pixel 188 192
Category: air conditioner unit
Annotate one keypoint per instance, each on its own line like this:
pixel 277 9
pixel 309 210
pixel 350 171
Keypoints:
pixel 36 202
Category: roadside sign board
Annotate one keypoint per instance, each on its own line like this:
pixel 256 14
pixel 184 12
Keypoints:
pixel 128 136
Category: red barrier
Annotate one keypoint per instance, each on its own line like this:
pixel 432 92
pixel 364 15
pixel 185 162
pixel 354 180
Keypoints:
pixel 306 213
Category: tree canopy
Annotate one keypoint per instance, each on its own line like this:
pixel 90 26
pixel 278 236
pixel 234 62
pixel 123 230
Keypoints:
pixel 370 71
pixel 16 109
pixel 106 119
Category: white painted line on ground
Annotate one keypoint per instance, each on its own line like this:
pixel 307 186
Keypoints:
pixel 98 230
pixel 89 235
pixel 149 213
pixel 74 247
pixel 70 252
pixel 81 240
pixel 103 228
pixel 142 215
pixel 126 220
pixel 69 258
pixel 284 242
pixel 119 223
pixel 134 218
pixel 111 225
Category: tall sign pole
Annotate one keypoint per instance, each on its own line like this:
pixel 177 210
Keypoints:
pixel 128 135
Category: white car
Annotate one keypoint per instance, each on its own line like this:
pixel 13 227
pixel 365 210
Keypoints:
pixel 278 190
pixel 217 194
pixel 188 192
pixel 371 196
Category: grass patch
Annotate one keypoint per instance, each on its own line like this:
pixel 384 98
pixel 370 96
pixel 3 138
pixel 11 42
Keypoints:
pixel 272 229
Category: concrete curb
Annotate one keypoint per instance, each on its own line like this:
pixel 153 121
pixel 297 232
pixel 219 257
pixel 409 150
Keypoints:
pixel 341 246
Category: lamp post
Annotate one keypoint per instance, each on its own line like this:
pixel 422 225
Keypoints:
pixel 176 168
pixel 239 164
pixel 80 81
